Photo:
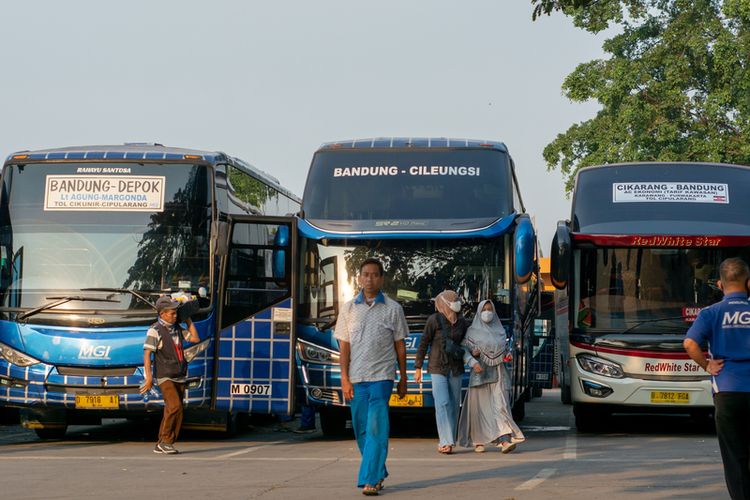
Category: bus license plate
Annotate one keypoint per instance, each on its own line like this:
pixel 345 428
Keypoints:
pixel 413 400
pixel 97 401
pixel 670 397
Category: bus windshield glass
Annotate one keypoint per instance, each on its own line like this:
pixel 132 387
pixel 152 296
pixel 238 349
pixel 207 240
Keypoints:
pixel 416 271
pixel 646 290
pixel 362 185
pixel 65 227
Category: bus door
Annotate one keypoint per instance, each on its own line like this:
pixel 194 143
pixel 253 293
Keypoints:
pixel 255 355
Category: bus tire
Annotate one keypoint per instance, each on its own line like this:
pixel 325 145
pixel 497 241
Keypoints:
pixel 333 421
pixel 565 396
pixel 519 409
pixel 527 394
pixel 53 433
pixel 590 417
pixel 537 392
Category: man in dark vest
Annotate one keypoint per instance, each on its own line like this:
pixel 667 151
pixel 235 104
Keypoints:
pixel 164 340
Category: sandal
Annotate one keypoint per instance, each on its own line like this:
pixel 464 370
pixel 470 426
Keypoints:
pixel 479 448
pixel 506 447
pixel 370 490
pixel 446 450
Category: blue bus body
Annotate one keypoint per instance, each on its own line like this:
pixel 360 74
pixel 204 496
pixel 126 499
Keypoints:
pixel 440 213
pixel 91 236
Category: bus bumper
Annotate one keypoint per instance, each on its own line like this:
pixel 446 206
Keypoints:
pixel 671 394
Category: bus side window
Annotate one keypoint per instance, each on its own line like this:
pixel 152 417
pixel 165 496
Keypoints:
pixel 249 279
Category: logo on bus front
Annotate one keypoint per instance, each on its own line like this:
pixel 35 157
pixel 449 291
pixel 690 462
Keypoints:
pixel 89 351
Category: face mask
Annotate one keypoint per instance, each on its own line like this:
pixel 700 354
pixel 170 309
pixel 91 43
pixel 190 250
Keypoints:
pixel 487 316
pixel 455 306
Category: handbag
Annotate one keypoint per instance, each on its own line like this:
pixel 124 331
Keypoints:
pixel 453 350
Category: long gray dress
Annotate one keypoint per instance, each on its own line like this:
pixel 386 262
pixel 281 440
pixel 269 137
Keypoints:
pixel 485 415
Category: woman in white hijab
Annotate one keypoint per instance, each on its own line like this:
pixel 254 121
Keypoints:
pixel 486 417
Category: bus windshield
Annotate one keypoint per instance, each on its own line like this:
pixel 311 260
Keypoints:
pixel 416 271
pixel 359 185
pixel 646 290
pixel 65 227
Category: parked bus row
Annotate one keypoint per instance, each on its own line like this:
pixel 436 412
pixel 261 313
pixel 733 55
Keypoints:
pixel 90 237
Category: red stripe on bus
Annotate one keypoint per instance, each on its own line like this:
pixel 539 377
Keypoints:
pixel 640 353
pixel 661 240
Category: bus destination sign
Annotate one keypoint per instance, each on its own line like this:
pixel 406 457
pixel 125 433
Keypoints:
pixel 680 192
pixel 104 193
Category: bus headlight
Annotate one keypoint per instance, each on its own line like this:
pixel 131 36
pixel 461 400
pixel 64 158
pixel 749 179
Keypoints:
pixel 192 351
pixel 599 366
pixel 16 357
pixel 316 354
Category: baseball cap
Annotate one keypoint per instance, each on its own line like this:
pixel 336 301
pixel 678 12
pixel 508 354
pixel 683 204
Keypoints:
pixel 166 302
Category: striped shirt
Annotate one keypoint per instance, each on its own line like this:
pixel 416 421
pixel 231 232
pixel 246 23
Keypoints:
pixel 153 343
pixel 371 331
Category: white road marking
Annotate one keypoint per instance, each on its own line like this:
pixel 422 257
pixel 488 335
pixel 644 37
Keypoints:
pixel 571 443
pixel 544 428
pixel 246 450
pixel 147 455
pixel 535 481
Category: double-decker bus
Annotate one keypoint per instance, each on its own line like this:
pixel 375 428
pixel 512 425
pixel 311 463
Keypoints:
pixel 91 236
pixel 633 266
pixel 440 213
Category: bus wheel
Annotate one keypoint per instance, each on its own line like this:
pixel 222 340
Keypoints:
pixel 55 433
pixel 565 397
pixel 333 421
pixel 590 418
pixel 519 409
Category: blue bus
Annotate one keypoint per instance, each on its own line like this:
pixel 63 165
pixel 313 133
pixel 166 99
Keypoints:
pixel 635 263
pixel 440 213
pixel 91 236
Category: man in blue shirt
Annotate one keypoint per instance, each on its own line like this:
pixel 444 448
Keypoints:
pixel 725 326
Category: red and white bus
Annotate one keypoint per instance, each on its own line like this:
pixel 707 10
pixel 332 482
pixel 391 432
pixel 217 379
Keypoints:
pixel 633 266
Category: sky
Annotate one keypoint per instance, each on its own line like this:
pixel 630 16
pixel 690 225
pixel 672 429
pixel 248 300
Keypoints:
pixel 269 81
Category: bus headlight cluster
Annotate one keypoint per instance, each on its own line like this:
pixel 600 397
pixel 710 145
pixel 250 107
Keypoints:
pixel 16 357
pixel 192 351
pixel 599 366
pixel 316 354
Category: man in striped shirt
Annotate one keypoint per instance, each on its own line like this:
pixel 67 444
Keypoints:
pixel 371 330
pixel 164 340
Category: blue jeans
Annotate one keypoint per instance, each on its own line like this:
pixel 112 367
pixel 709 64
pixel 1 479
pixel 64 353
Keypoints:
pixel 371 428
pixel 446 391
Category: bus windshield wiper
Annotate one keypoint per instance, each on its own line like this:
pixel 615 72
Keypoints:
pixel 57 301
pixel 123 290
pixel 655 320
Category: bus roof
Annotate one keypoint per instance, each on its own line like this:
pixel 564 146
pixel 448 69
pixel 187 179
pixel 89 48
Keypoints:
pixel 147 151
pixel 134 151
pixel 661 198
pixel 413 142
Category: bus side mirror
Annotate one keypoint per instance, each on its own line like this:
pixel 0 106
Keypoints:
pixel 278 266
pixel 523 245
pixel 560 256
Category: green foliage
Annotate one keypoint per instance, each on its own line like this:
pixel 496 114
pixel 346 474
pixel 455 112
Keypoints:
pixel 249 189
pixel 674 87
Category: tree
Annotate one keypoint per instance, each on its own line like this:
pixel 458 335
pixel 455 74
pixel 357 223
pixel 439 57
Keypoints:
pixel 675 85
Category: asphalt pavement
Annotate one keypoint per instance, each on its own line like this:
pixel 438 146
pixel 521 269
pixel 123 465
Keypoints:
pixel 643 457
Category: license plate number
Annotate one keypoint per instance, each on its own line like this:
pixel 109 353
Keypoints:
pixel 97 401
pixel 670 397
pixel 412 400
